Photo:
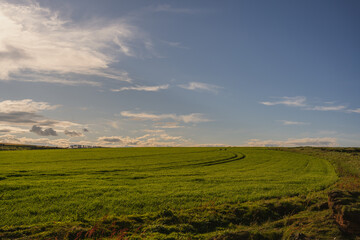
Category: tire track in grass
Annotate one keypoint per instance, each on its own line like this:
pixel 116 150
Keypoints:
pixel 233 158
pixel 170 165
pixel 236 157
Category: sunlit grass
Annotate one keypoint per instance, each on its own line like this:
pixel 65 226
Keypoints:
pixel 77 185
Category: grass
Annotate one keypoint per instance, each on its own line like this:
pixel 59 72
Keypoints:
pixel 82 185
pixel 345 160
pixel 174 193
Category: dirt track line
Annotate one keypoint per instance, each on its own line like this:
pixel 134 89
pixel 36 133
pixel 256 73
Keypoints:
pixel 235 157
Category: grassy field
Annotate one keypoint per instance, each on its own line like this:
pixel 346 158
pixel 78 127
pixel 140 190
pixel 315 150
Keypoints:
pixel 174 193
pixel 66 185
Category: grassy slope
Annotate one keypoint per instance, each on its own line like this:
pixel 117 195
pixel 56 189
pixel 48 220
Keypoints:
pixel 196 184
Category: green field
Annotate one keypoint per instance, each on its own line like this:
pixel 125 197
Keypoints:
pixel 42 186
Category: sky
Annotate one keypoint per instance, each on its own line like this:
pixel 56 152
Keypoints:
pixel 138 73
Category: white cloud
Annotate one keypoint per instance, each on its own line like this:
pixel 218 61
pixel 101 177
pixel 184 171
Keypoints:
pixel 191 118
pixel 39 40
pixel 168 125
pixel 152 139
pixel 165 136
pixel 354 110
pixel 291 142
pixel 143 88
pixel 59 124
pixel 63 80
pixel 11 129
pixel 201 86
pixel 287 123
pixel 25 112
pixel 25 105
pixel 298 101
pixel 327 108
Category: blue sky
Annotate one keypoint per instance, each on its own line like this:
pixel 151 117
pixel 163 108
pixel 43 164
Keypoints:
pixel 180 73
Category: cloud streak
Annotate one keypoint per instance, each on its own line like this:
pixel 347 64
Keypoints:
pixel 354 110
pixel 168 125
pixel 25 105
pixel 142 88
pixel 11 129
pixel 198 86
pixel 291 142
pixel 190 118
pixel 298 101
pixel 175 44
pixel 327 108
pixel 289 123
pixel 153 138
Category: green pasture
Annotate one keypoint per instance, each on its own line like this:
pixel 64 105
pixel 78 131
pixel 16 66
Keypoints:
pixel 66 185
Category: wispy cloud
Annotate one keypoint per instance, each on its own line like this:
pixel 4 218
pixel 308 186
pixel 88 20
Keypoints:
pixel 354 110
pixel 63 46
pixel 143 88
pixel 298 101
pixel 327 108
pixel 291 142
pixel 153 138
pixel 190 118
pixel 201 87
pixel 11 129
pixel 175 44
pixel 288 123
pixel 61 80
pixel 25 105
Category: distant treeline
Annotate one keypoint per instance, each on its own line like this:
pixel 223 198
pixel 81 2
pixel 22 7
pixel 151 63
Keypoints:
pixel 14 147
